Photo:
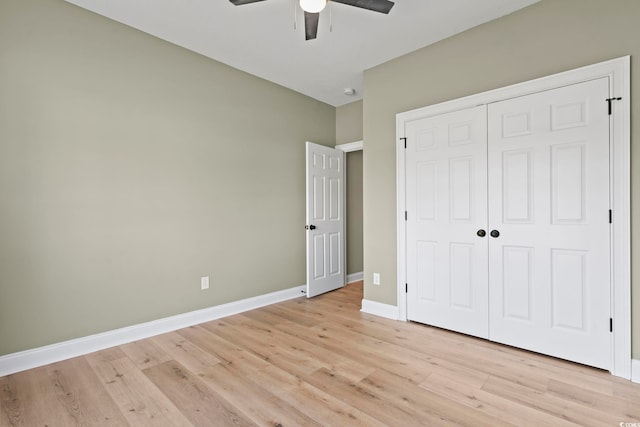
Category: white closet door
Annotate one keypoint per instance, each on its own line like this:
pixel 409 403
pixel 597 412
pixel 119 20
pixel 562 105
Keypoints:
pixel 446 192
pixel 549 200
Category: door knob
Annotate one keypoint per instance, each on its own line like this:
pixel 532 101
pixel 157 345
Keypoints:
pixel 310 227
pixel 481 233
pixel 495 233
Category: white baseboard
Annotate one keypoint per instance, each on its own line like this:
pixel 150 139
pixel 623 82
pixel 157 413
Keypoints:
pixel 635 370
pixel 16 362
pixel 379 309
pixel 355 277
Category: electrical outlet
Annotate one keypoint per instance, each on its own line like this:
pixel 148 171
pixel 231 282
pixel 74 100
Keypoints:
pixel 204 282
pixel 376 278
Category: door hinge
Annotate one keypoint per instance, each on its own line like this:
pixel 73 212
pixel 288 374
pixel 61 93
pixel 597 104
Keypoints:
pixel 406 288
pixel 610 324
pixel 405 216
pixel 610 101
pixel 610 216
pixel 405 142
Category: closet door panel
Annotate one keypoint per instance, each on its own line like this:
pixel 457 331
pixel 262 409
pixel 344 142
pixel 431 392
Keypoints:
pixel 548 168
pixel 446 160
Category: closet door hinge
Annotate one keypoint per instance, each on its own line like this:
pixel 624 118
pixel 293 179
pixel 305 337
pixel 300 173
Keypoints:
pixel 405 215
pixel 406 288
pixel 610 324
pixel 610 101
pixel 610 216
pixel 405 142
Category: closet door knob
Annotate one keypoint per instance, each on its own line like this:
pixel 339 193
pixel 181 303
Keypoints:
pixel 481 233
pixel 310 227
pixel 495 233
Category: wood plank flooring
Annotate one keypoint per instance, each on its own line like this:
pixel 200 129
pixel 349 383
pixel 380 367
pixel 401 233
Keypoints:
pixel 318 362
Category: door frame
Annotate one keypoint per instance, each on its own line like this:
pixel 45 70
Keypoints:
pixel 349 147
pixel 618 72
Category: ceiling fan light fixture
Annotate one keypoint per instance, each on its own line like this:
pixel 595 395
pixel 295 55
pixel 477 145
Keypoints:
pixel 313 6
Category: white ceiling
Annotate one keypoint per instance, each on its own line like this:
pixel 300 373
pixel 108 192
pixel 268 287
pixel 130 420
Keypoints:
pixel 259 38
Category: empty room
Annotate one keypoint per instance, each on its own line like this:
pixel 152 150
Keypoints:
pixel 319 213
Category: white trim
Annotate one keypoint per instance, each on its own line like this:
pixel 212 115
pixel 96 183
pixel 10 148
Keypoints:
pixel 355 277
pixel 351 146
pixel 16 362
pixel 635 370
pixel 379 309
pixel 401 247
pixel 621 228
pixel 618 72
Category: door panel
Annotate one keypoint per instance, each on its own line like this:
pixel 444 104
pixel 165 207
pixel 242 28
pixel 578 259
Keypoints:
pixel 568 289
pixel 517 179
pixel 460 181
pixel 446 205
pixel 568 183
pixel 461 275
pixel 325 212
pixel 549 200
pixel 517 283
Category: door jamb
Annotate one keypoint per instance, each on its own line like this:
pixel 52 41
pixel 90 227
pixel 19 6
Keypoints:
pixel 618 72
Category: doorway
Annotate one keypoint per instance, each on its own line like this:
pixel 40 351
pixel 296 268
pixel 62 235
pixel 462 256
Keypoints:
pixel 354 152
pixel 334 216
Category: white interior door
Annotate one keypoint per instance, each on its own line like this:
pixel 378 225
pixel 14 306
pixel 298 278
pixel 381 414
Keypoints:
pixel 325 219
pixel 446 190
pixel 549 201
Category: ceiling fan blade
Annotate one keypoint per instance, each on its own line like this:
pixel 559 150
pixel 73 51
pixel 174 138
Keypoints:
pixel 311 25
pixel 241 2
pixel 382 6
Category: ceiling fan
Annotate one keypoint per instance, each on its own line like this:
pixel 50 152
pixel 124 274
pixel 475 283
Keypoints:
pixel 312 9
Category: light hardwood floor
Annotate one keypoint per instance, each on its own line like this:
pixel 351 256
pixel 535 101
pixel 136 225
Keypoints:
pixel 318 362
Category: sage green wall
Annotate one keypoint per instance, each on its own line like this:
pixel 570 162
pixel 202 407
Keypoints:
pixel 542 39
pixel 354 212
pixel 349 123
pixel 129 168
